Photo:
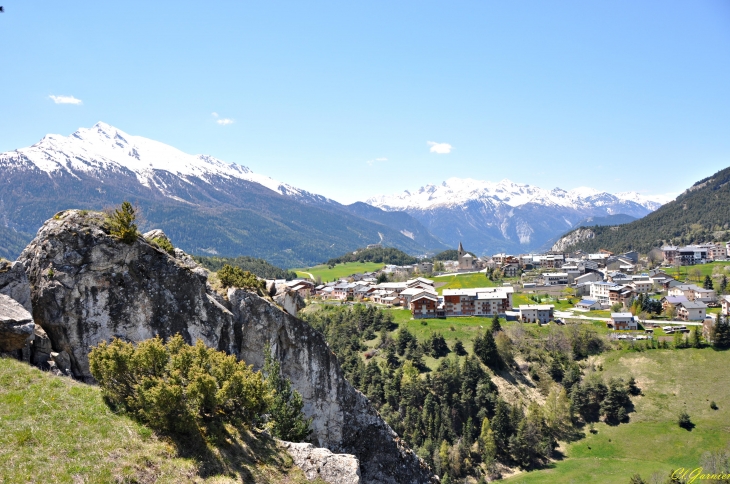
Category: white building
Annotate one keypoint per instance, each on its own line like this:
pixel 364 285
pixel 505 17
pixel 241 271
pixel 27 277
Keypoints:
pixel 536 313
pixel 623 321
pixel 600 291
pixel 692 311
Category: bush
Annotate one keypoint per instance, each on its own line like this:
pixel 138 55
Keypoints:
pixel 286 420
pixel 163 244
pixel 237 277
pixel 121 223
pixel 684 420
pixel 176 387
pixel 713 405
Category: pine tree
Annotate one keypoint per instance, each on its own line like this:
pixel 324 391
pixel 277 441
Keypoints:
pixel 501 426
pixel 487 444
pixel 721 333
pixel 486 349
pixel 287 421
pixel 121 223
pixel 708 283
pixel 723 284
pixel 496 325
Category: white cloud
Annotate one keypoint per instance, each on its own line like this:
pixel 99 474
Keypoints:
pixel 440 148
pixel 65 99
pixel 370 162
pixel 221 121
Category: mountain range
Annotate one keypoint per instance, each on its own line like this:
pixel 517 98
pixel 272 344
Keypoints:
pixel 700 214
pixel 210 207
pixel 205 205
pixel 506 216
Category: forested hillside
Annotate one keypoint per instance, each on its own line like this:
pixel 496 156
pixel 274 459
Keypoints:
pixel 259 267
pixel 386 255
pixel 700 214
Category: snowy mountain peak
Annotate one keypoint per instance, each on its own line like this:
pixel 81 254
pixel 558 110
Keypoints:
pixel 460 191
pixel 104 148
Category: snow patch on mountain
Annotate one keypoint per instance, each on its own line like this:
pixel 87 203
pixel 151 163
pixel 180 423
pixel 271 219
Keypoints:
pixel 103 148
pixel 460 191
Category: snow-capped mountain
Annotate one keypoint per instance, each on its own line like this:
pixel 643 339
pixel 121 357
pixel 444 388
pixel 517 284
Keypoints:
pixel 103 150
pixel 204 204
pixel 490 217
pixel 458 191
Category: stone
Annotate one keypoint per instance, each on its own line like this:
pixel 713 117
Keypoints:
pixel 290 301
pixel 323 464
pixel 16 325
pixel 102 288
pixel 40 347
pixel 62 361
pixel 343 419
pixel 14 283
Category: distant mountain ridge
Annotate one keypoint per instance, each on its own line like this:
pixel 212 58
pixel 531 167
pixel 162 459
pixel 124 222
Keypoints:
pixel 700 214
pixel 493 217
pixel 206 205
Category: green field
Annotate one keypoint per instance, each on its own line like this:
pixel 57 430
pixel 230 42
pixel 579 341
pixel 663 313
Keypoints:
pixel 652 442
pixel 464 281
pixel 338 271
pixel 706 270
pixel 54 429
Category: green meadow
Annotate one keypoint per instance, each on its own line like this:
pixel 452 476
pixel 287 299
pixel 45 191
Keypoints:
pixel 652 444
pixel 54 429
pixel 684 272
pixel 463 281
pixel 340 270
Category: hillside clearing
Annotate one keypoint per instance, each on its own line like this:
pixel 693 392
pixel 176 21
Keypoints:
pixel 54 429
pixel 340 270
pixel 652 442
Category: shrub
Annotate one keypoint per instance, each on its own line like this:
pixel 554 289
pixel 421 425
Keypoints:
pixel 163 244
pixel 684 420
pixel 237 277
pixel 713 405
pixel 121 223
pixel 176 387
pixel 286 420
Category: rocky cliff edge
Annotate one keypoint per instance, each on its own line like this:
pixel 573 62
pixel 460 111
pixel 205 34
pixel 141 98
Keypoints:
pixel 87 287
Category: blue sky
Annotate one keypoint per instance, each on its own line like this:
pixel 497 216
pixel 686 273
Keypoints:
pixel 342 98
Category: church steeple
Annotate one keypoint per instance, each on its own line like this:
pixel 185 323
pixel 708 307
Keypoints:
pixel 461 249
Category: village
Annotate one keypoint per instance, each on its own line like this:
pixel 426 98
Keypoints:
pixel 601 286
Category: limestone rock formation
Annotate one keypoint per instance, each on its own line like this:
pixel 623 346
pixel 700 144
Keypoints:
pixel 87 287
pixel 578 235
pixel 323 464
pixel 16 325
pixel 14 283
pixel 290 301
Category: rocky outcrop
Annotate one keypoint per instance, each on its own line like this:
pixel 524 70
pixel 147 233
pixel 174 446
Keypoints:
pixel 290 301
pixel 578 235
pixel 344 421
pixel 323 464
pixel 16 325
pixel 87 287
pixel 14 283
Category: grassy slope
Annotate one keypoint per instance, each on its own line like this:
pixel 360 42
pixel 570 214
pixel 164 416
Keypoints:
pixel 706 270
pixel 53 429
pixel 464 281
pixel 652 441
pixel 340 270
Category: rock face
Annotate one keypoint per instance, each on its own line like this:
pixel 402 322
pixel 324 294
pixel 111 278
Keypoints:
pixel 14 283
pixel 289 300
pixel 16 325
pixel 572 238
pixel 87 287
pixel 323 464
